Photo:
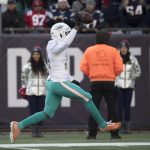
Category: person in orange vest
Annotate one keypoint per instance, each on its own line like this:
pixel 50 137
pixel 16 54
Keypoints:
pixel 101 63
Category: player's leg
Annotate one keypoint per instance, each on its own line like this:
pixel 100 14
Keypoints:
pixel 71 90
pixel 52 100
pixel 51 104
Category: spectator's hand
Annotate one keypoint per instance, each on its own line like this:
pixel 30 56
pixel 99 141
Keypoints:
pixel 58 18
pixel 76 82
pixel 22 92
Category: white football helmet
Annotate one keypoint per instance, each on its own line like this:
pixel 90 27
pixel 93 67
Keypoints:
pixel 59 31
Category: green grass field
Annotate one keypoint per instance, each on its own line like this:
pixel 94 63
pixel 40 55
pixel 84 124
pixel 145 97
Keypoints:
pixel 77 141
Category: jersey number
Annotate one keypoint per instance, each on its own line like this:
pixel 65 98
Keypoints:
pixel 134 10
pixel 38 20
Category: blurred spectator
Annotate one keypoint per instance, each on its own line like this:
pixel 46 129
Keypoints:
pixel 3 6
pixel 61 12
pixel 38 17
pixel 104 3
pixel 148 13
pixel 110 9
pixel 11 18
pixel 133 13
pixel 98 4
pixel 70 2
pixel 50 2
pixel 98 17
pixel 24 5
pixel 78 5
pixel 125 84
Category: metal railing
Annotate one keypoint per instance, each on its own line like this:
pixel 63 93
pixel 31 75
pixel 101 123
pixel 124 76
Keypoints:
pixel 47 30
pixel 26 30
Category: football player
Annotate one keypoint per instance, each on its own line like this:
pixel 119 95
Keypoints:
pixel 60 83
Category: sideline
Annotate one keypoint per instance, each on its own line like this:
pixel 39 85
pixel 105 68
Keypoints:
pixel 120 144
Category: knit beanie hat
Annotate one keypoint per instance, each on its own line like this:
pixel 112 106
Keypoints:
pixel 124 43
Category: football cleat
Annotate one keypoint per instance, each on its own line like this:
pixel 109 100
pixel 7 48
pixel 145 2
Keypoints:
pixel 14 131
pixel 111 126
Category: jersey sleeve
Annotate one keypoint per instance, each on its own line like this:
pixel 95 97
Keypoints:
pixel 57 46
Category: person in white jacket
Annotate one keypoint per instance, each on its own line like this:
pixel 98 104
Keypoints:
pixel 33 76
pixel 125 84
pixel 59 84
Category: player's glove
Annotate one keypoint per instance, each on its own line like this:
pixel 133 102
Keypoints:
pixel 22 92
pixel 83 17
pixel 76 82
pixel 77 19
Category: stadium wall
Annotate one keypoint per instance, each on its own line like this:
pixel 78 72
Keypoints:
pixel 14 53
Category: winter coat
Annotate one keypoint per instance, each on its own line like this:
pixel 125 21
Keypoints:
pixel 34 83
pixel 131 71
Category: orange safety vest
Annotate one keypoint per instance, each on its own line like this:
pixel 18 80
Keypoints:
pixel 101 63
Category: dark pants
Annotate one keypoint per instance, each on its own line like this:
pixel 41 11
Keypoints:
pixel 98 90
pixel 36 104
pixel 124 98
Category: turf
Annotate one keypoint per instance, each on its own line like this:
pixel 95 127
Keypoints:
pixel 75 137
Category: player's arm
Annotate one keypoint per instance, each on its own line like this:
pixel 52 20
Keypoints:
pixel 56 47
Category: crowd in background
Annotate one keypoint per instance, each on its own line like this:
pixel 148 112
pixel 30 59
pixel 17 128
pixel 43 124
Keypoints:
pixel 106 13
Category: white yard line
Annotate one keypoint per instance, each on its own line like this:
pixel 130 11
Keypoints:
pixel 120 144
pixel 27 148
